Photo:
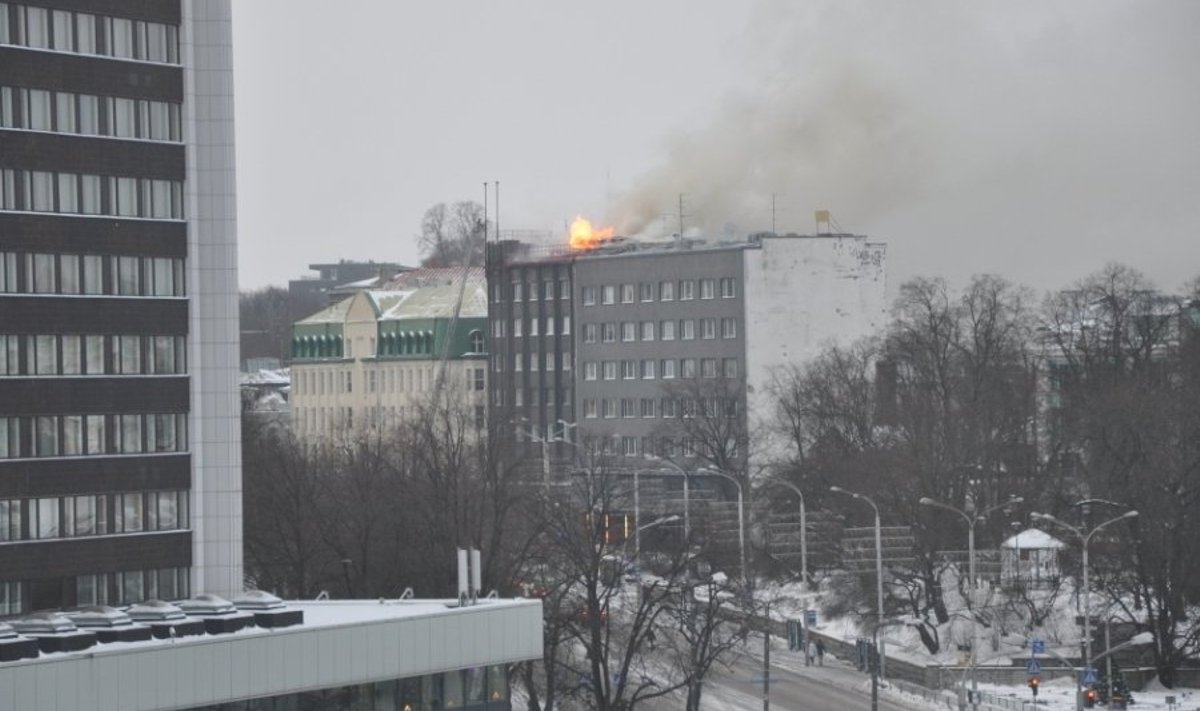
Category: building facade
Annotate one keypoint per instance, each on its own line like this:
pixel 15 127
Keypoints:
pixel 120 472
pixel 664 335
pixel 375 359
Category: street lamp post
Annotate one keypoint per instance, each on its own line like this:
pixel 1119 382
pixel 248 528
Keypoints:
pixel 741 514
pixel 803 531
pixel 878 571
pixel 687 521
pixel 1085 537
pixel 972 518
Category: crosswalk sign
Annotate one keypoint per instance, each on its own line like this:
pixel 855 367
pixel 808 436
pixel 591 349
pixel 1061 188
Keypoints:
pixel 1033 667
pixel 1038 646
pixel 1089 676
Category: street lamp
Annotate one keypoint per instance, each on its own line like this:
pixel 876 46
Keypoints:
pixel 1084 539
pixel 803 531
pixel 972 518
pixel 687 521
pixel 741 513
pixel 878 571
pixel 545 442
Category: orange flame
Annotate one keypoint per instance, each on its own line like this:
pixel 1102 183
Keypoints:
pixel 584 236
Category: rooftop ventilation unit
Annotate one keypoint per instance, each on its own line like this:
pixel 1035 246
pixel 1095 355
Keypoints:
pixel 219 615
pixel 269 611
pixel 54 632
pixel 110 624
pixel 14 647
pixel 164 619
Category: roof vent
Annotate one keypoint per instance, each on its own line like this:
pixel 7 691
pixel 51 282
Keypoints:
pixel 14 647
pixel 110 624
pixel 269 611
pixel 164 619
pixel 219 615
pixel 54 632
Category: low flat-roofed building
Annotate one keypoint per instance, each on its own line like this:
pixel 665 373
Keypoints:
pixel 345 654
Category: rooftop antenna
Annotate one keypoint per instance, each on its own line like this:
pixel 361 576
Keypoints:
pixel 497 212
pixel 680 237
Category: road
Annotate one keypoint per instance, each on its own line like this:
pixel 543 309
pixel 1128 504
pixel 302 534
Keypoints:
pixel 794 687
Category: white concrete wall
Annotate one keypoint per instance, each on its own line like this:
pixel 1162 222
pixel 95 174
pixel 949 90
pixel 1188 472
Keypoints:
pixel 209 670
pixel 803 293
pixel 206 48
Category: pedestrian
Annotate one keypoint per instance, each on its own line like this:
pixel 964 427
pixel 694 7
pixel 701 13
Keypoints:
pixel 820 653
pixel 812 651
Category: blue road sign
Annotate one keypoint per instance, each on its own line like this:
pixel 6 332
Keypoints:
pixel 1089 676
pixel 810 618
pixel 1033 667
pixel 1038 646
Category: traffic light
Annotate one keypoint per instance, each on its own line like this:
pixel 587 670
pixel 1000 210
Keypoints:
pixel 1090 697
pixel 1033 685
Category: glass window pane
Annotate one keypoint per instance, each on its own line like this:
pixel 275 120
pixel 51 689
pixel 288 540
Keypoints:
pixel 72 437
pixel 41 185
pixel 68 193
pixel 37 27
pixel 168 511
pixel 7 118
pixel 89 194
pixel 47 436
pixel 85 33
pixel 71 355
pixel 121 38
pixel 47 518
pixel 64 112
pixel 94 347
pixel 93 266
pixel 38 110
pixel 44 269
pixel 46 355
pixel 131 354
pixel 96 429
pixel 131 512
pixel 85 515
pixel 131 434
pixel 124 118
pixel 89 114
pixel 63 32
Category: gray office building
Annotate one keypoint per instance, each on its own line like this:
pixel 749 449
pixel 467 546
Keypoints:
pixel 120 453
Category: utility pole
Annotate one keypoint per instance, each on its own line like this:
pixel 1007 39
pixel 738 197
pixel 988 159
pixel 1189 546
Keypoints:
pixel 767 661
pixel 681 216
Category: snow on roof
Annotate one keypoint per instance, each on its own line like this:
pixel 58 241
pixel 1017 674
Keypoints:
pixel 331 314
pixel 432 293
pixel 265 376
pixel 1032 538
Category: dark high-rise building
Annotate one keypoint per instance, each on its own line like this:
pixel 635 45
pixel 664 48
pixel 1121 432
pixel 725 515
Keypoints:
pixel 120 461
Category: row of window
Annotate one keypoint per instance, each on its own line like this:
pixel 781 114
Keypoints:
pixel 90 274
pixel 92 515
pixel 473 688
pixel 665 369
pixel 666 408
pixel 314 382
pixel 88 33
pixel 687 329
pixel 646 292
pixel 664 447
pixel 319 420
pixel 534 326
pixel 76 194
pixel 119 588
pixel 73 354
pixel 536 396
pixel 89 114
pixel 528 291
pixel 533 362
pixel 92 435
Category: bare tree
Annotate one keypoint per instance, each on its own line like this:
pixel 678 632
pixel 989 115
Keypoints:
pixel 453 236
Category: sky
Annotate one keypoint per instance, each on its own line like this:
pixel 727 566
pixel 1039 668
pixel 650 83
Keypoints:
pixel 1038 140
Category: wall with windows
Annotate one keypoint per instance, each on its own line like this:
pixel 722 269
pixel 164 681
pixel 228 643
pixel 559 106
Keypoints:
pixel 656 327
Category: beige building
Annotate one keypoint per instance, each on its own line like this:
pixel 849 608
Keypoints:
pixel 380 356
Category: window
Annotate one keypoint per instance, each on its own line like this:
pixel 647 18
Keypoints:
pixel 549 361
pixel 64 112
pixel 590 332
pixel 477 344
pixel 646 291
pixel 533 325
pixel 608 294
pixel 687 367
pixel 628 293
pixel 629 446
pixel 647 330
pixel 564 289
pixel 687 290
pixel 589 408
pixel 668 369
pixel 533 291
pixel 708 328
pixel 729 367
pixel 587 294
pixel 648 369
pixel 608 332
pixel 628 407
pixel 517 324
pixel 708 367
pixel 728 288
pixel 518 291
pixel 648 407
pixel 687 329
pixel 548 290
pixel 667 408
pixel 666 331
pixel 629 370
pixel 610 370
pixel 708 288
pixel 549 329
pixel 566 326
pixel 628 331
pixel 608 408
pixel 666 291
pixel 728 328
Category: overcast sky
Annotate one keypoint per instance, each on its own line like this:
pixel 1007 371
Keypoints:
pixel 1036 140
